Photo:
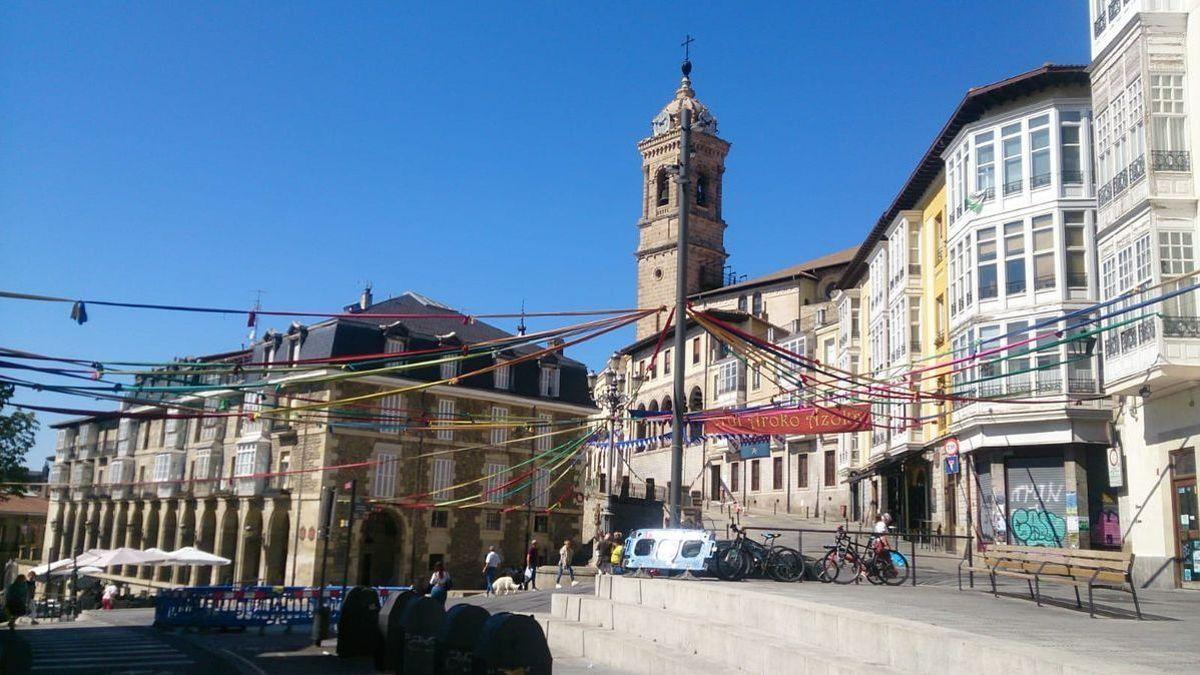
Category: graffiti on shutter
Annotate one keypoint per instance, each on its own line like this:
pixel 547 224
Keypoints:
pixel 1036 501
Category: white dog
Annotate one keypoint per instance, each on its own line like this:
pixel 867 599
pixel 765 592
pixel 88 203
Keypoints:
pixel 505 584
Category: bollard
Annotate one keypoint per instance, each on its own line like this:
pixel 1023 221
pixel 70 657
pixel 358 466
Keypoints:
pixel 422 619
pixel 389 653
pixel 456 639
pixel 358 625
pixel 513 642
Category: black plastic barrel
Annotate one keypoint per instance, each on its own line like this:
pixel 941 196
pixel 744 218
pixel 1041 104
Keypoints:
pixel 389 655
pixel 456 639
pixel 422 619
pixel 512 642
pixel 358 625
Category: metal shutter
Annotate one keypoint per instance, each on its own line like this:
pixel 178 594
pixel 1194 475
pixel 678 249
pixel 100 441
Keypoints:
pixel 986 500
pixel 1037 509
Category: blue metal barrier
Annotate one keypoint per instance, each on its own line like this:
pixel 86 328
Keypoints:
pixel 248 606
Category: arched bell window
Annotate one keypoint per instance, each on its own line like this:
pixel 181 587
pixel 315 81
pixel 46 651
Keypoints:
pixel 701 190
pixel 662 187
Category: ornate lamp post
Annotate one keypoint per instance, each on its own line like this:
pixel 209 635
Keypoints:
pixel 612 398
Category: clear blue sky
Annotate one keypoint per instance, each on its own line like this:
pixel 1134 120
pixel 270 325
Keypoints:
pixel 195 152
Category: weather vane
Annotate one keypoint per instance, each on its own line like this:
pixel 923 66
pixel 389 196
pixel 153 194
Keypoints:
pixel 687 47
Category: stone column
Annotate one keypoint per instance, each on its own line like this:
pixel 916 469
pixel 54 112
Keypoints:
pixel 224 574
pixel 133 529
pixel 150 520
pixel 203 575
pixel 81 527
pixel 116 537
pixel 105 524
pixel 268 512
pixel 166 537
pixel 65 533
pixel 249 543
pixel 184 536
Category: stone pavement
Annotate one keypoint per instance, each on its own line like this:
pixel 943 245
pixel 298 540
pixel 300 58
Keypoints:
pixel 1165 640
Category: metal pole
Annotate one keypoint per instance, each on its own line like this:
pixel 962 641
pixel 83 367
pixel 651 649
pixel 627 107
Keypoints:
pixel 681 279
pixel 321 618
pixel 349 533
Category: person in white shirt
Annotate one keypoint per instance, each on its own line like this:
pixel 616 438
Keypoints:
pixel 439 583
pixel 108 596
pixel 491 563
pixel 881 531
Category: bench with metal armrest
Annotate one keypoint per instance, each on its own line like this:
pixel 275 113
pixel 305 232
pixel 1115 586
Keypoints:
pixel 1079 568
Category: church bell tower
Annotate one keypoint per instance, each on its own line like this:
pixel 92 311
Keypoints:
pixel 658 226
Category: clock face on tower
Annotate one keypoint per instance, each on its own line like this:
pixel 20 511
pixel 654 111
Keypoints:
pixel 661 123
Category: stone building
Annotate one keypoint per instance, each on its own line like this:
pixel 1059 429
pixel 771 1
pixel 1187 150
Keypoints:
pixel 801 475
pixel 22 527
pixel 222 483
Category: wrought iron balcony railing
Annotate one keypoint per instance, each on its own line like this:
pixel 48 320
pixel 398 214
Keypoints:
pixel 1137 170
pixel 1170 160
pixel 1098 25
pixel 1181 326
pixel 1114 8
pixel 1120 181
pixel 1072 177
pixel 1012 187
pixel 1104 194
pixel 1040 180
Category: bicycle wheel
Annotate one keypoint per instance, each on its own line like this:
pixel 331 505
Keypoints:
pixel 731 564
pixel 849 567
pixel 786 565
pixel 827 568
pixel 894 569
pixel 875 571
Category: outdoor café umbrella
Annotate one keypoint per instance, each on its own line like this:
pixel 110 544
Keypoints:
pixel 190 555
pixel 126 556
pixel 82 571
pixel 80 560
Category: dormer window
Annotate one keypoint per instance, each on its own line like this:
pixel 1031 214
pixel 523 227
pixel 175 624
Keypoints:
pixel 503 375
pixel 393 345
pixel 294 350
pixel 449 370
pixel 548 382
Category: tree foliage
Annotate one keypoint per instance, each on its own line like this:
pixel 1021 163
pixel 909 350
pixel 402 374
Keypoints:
pixel 17 435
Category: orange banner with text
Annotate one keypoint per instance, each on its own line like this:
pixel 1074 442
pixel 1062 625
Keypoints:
pixel 793 421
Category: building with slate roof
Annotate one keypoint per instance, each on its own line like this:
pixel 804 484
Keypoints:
pixel 222 483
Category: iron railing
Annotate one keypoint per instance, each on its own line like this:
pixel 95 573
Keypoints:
pixel 1013 186
pixel 1137 169
pixel 1098 25
pixel 1040 180
pixel 1181 326
pixel 1170 160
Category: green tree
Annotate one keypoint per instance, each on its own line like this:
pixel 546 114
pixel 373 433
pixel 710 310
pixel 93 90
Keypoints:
pixel 17 432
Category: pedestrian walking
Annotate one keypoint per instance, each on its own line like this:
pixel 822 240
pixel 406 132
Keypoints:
pixel 618 552
pixel 603 553
pixel 533 558
pixel 16 600
pixel 491 562
pixel 566 555
pixel 31 596
pixel 109 596
pixel 439 583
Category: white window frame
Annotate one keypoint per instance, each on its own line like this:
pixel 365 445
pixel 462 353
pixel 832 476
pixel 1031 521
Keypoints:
pixel 391 414
pixel 449 369
pixel 549 378
pixel 497 476
pixel 502 375
pixel 446 414
pixel 545 426
pixel 441 477
pixel 499 435
pixel 383 482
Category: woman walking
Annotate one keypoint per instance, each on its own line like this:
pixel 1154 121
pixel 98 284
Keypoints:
pixel 566 555
pixel 439 583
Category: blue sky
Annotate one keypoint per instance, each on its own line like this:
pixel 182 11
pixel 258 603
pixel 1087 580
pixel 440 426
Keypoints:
pixel 480 154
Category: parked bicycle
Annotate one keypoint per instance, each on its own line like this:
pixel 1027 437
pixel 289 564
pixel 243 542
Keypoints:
pixel 847 561
pixel 745 557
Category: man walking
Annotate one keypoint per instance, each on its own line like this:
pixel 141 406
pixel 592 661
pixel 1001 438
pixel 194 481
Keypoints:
pixel 603 551
pixel 491 562
pixel 532 560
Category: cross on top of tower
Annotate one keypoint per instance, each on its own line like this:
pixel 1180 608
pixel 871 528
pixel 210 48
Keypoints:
pixel 687 46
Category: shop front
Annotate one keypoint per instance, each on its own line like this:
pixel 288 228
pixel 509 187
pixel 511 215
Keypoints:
pixel 1039 496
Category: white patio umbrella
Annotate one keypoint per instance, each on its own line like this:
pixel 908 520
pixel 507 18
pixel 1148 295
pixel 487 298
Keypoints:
pixel 190 555
pixel 80 560
pixel 126 556
pixel 82 571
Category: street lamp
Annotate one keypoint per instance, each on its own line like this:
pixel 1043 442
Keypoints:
pixel 613 400
pixel 1082 346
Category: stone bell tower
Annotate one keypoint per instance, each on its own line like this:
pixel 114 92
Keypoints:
pixel 657 228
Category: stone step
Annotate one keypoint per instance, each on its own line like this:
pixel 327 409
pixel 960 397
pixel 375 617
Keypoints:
pixel 617 652
pixel 850 635
pixel 719 643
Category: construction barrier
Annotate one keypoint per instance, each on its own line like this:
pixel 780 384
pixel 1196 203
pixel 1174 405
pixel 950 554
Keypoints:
pixel 240 607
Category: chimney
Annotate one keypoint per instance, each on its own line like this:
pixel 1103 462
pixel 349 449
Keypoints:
pixel 365 301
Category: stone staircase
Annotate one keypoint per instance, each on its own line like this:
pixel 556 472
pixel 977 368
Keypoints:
pixel 667 626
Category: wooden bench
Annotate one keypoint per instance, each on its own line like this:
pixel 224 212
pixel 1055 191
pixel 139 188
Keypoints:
pixel 1078 568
